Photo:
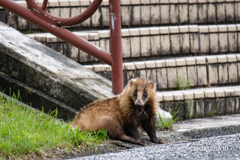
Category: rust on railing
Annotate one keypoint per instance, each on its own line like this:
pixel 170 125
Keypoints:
pixel 38 15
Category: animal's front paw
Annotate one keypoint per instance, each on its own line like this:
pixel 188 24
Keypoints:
pixel 141 143
pixel 159 141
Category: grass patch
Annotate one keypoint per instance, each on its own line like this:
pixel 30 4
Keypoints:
pixel 23 131
pixel 166 124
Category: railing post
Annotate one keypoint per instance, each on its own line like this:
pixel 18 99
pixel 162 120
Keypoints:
pixel 116 45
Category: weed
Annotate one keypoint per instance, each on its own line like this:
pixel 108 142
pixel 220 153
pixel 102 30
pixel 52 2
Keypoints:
pixel 195 116
pixel 189 108
pixel 214 109
pixel 183 83
pixel 213 112
pixel 166 124
pixel 167 132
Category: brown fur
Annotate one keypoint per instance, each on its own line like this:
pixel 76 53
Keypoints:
pixel 123 114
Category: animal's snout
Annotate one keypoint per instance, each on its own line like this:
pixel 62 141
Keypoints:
pixel 138 103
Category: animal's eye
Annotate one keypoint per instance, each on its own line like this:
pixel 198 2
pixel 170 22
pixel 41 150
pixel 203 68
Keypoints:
pixel 135 95
pixel 144 95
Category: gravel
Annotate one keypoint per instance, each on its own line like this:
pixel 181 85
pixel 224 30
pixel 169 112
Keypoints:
pixel 219 147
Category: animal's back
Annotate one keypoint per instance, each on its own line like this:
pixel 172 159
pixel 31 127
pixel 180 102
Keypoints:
pixel 99 114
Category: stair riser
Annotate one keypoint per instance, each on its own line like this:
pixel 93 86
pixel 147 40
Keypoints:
pixel 200 70
pixel 199 108
pixel 139 14
pixel 201 75
pixel 156 46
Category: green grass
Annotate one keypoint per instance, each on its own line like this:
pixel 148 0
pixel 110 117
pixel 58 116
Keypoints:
pixel 166 124
pixel 23 131
pixel 183 83
pixel 214 109
pixel 189 108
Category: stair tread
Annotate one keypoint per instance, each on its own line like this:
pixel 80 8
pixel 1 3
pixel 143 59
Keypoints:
pixel 170 29
pixel 210 92
pixel 166 62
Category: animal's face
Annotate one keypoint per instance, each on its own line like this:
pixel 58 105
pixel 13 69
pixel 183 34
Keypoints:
pixel 140 96
pixel 141 91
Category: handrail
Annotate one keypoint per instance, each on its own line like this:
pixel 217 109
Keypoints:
pixel 39 16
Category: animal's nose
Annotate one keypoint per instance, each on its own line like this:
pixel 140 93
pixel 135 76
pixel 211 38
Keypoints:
pixel 138 103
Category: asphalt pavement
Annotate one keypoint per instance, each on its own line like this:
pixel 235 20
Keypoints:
pixel 205 138
pixel 218 147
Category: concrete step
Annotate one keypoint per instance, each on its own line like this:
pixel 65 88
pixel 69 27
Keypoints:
pixel 208 127
pixel 169 74
pixel 201 102
pixel 137 13
pixel 155 42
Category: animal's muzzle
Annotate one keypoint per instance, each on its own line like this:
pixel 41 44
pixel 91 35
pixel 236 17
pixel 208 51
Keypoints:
pixel 138 103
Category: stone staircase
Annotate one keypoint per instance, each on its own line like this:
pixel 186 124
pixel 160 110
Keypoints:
pixel 163 40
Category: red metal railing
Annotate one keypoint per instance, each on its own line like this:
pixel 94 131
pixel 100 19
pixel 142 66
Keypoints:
pixel 116 45
pixel 39 16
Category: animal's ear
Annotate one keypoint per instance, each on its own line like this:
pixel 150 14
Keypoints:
pixel 152 85
pixel 131 82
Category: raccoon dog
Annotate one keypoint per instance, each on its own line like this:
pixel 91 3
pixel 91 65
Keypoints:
pixel 122 115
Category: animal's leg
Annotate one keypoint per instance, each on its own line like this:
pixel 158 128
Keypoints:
pixel 132 131
pixel 130 139
pixel 149 127
pixel 117 132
